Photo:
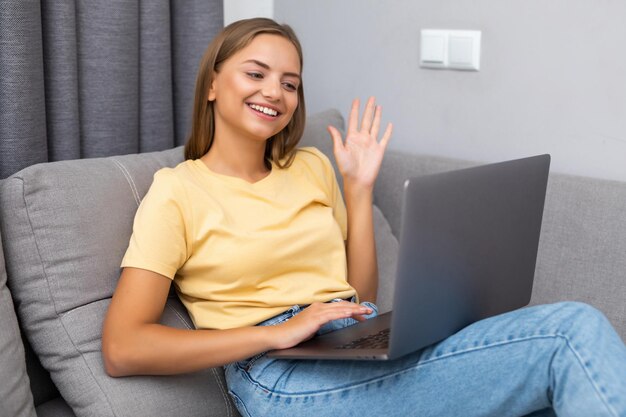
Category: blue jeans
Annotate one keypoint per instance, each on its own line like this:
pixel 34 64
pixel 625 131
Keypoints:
pixel 564 357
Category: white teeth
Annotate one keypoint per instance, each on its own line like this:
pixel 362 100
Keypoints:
pixel 265 110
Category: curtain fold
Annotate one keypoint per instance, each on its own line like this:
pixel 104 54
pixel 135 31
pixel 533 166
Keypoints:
pixel 156 109
pixel 22 107
pixel 190 37
pixel 83 79
pixel 60 69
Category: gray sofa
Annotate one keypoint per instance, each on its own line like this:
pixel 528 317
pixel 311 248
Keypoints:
pixel 65 227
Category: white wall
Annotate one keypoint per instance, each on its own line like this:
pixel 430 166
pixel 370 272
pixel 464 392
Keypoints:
pixel 245 9
pixel 552 78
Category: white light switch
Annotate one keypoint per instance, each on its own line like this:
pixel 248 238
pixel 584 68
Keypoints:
pixel 434 48
pixel 464 50
pixel 455 49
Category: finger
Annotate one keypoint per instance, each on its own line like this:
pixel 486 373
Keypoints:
pixel 330 315
pixel 366 123
pixel 345 306
pixel 356 309
pixel 359 318
pixel 337 141
pixel 387 136
pixel 353 121
pixel 376 125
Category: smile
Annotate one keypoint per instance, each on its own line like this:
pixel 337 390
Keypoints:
pixel 264 110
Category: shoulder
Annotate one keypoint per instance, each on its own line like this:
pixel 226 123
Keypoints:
pixel 170 182
pixel 172 176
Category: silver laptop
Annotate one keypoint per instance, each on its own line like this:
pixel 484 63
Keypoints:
pixel 468 248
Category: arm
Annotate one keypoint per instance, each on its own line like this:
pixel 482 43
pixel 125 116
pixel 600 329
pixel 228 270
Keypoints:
pixel 134 343
pixel 359 160
pixel 360 245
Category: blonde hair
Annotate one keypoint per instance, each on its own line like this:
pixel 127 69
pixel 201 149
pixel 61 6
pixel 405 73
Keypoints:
pixel 280 148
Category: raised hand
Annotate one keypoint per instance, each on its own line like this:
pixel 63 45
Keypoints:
pixel 360 156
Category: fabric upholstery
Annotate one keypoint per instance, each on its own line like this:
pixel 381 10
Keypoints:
pixel 582 250
pixel 55 408
pixel 41 384
pixel 15 395
pixel 67 226
pixel 387 257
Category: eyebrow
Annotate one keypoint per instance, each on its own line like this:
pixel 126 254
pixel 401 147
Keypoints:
pixel 264 65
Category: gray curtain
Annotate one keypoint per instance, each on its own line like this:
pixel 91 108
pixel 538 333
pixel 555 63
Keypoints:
pixel 82 79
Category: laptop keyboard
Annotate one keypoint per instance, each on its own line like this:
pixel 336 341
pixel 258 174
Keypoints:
pixel 378 340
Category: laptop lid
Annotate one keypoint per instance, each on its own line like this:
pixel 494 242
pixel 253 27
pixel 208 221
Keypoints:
pixel 468 248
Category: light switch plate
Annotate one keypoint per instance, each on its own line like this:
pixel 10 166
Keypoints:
pixel 453 49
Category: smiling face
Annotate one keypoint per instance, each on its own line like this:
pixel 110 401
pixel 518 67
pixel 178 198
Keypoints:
pixel 255 91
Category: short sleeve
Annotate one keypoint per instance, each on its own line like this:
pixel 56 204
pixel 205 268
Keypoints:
pixel 160 242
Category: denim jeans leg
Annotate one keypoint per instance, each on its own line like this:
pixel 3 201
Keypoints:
pixel 564 355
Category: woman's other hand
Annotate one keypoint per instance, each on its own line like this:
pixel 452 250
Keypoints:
pixel 304 325
pixel 359 157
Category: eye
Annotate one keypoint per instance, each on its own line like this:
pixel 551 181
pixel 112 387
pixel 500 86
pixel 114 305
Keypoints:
pixel 290 86
pixel 256 75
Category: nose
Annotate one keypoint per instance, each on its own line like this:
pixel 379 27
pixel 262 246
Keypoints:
pixel 271 89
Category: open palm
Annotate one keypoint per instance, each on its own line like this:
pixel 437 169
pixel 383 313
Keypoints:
pixel 359 157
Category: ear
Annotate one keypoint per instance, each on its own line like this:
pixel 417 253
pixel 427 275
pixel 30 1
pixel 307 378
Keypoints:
pixel 211 95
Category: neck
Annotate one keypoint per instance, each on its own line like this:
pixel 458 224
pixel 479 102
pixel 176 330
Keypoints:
pixel 244 159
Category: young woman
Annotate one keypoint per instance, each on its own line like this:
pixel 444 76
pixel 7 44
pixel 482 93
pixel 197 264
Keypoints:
pixel 264 254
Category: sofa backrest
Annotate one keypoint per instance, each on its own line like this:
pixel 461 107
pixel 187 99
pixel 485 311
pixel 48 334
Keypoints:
pixel 583 237
pixel 65 228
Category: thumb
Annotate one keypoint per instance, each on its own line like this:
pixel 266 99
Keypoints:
pixel 336 137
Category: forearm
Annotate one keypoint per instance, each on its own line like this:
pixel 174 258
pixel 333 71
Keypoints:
pixel 361 247
pixel 154 349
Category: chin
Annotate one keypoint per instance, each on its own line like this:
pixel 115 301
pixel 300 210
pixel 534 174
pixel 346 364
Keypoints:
pixel 265 134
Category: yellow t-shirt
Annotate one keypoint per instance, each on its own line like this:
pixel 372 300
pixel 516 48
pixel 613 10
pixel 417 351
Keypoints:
pixel 238 252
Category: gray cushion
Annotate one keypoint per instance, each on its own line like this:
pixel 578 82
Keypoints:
pixel 15 395
pixel 387 258
pixel 67 225
pixel 321 138
pixel 582 251
pixel 54 408
pixel 41 384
